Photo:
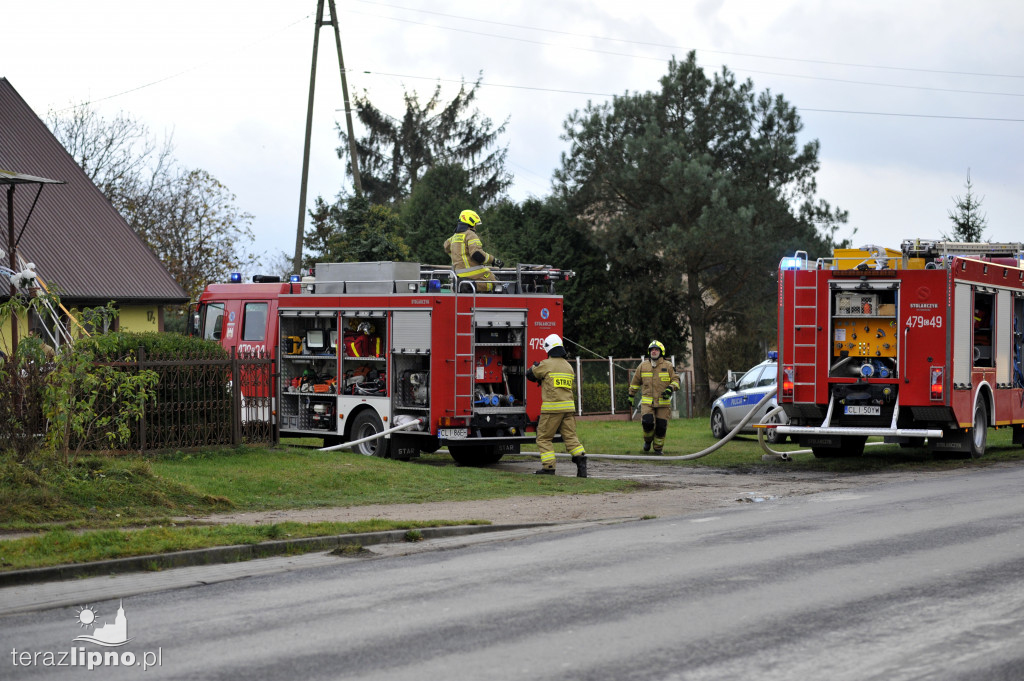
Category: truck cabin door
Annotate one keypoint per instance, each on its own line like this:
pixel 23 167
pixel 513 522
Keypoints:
pixel 255 317
pixel 211 323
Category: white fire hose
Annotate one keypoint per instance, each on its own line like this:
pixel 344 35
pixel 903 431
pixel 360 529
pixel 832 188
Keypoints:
pixel 772 453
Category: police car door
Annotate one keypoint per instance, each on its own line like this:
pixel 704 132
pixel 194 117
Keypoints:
pixel 739 403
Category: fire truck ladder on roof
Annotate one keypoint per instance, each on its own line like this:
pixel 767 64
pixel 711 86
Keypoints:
pixel 465 351
pixel 805 316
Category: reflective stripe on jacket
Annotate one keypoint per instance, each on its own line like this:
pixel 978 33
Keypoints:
pixel 556 385
pixel 652 379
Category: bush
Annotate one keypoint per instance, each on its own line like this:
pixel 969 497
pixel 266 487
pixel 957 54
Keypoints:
pixel 597 399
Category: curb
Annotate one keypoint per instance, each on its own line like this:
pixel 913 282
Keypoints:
pixel 237 553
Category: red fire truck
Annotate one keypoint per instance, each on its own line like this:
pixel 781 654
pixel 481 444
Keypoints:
pixel 363 347
pixel 922 346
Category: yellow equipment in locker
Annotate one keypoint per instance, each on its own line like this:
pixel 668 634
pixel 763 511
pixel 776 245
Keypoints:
pixel 864 336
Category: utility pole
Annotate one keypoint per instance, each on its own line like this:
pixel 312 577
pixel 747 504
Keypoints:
pixel 300 232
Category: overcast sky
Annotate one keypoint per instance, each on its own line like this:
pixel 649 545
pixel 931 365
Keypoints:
pixel 904 97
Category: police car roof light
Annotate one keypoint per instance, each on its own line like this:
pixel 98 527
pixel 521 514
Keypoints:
pixel 773 354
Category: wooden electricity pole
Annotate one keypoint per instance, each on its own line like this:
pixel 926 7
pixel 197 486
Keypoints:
pixel 300 232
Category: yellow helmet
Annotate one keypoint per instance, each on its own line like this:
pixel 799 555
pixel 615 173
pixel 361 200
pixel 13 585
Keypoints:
pixel 469 217
pixel 656 345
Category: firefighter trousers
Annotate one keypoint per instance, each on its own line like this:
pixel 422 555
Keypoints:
pixel 654 421
pixel 481 281
pixel 548 425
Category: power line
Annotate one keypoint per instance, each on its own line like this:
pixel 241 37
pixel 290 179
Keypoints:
pixel 738 70
pixel 680 47
pixel 602 94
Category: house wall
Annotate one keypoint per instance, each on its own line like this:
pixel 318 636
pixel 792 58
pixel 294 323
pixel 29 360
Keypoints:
pixel 141 318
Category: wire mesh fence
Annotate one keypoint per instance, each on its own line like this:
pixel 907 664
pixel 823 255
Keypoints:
pixel 603 387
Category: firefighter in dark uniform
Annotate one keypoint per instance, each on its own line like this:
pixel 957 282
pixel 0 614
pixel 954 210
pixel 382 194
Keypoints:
pixel 469 259
pixel 558 410
pixel 656 379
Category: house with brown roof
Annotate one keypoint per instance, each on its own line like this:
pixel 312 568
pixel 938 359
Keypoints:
pixel 81 246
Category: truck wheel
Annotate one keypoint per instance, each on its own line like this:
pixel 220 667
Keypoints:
pixel 979 432
pixel 367 423
pixel 475 456
pixel 718 430
pixel 773 436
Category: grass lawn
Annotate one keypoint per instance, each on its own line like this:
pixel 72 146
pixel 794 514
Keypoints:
pixel 101 495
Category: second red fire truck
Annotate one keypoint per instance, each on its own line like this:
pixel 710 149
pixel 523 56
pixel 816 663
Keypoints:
pixel 921 346
pixel 363 347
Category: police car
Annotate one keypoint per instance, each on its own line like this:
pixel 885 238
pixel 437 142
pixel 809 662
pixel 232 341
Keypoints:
pixel 729 409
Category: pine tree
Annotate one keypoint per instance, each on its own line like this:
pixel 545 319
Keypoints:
pixel 968 221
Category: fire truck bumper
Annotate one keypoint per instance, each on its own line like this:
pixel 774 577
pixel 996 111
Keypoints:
pixel 869 432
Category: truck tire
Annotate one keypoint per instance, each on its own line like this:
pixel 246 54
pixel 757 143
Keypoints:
pixel 480 455
pixel 365 424
pixel 979 431
pixel 718 430
pixel 772 436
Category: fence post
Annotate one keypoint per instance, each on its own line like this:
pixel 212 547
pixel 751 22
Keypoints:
pixel 140 358
pixel 611 381
pixel 236 400
pixel 579 386
pixel 674 413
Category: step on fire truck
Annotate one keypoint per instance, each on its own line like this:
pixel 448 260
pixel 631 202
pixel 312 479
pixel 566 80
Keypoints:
pixel 922 346
pixel 364 347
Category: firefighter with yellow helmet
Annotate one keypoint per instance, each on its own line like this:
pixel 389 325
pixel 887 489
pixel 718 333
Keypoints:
pixel 469 259
pixel 655 379
pixel 557 409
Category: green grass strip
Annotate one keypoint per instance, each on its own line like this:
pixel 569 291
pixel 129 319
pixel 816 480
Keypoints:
pixel 62 547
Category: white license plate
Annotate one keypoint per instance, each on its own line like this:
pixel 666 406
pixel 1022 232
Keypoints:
pixel 453 433
pixel 862 411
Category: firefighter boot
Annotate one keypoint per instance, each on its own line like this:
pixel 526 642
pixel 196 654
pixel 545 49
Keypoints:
pixel 647 445
pixel 545 471
pixel 581 465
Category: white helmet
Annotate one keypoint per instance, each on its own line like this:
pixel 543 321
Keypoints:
pixel 551 342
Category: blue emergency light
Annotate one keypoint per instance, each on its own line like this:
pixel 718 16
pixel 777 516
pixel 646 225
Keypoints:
pixel 773 354
pixel 236 278
pixel 790 264
pixel 295 279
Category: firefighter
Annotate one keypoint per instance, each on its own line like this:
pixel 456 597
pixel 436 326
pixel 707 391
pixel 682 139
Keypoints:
pixel 557 411
pixel 656 379
pixel 469 259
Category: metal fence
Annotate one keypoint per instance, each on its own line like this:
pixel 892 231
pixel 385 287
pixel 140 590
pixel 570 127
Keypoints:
pixel 203 400
pixel 603 387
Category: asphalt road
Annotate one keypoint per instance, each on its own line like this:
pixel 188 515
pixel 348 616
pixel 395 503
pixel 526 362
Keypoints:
pixel 916 580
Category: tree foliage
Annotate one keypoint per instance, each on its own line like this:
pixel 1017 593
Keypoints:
pixel 395 154
pixel 430 214
pixel 196 230
pixel 694 193
pixel 968 221
pixel 187 217
pixel 353 230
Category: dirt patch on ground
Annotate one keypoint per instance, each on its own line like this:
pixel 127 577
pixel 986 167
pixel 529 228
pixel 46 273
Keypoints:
pixel 669 491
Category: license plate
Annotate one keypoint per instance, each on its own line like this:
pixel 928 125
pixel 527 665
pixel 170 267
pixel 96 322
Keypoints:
pixel 862 411
pixel 453 433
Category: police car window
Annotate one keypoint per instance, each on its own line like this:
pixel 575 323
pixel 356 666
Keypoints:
pixel 769 375
pixel 749 379
pixel 213 317
pixel 254 324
